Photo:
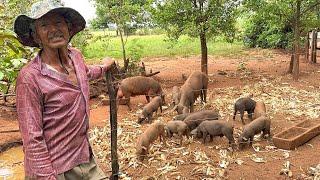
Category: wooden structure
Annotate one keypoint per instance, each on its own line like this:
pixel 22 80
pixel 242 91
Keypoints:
pixel 297 135
pixel 312 45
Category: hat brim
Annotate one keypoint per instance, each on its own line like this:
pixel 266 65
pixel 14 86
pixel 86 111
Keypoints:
pixel 22 25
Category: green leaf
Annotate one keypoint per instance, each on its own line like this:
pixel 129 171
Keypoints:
pixel 18 62
pixel 1 75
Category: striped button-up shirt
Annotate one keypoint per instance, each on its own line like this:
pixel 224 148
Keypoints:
pixel 53 116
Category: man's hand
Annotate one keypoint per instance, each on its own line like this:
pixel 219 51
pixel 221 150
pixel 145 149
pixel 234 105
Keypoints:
pixel 108 63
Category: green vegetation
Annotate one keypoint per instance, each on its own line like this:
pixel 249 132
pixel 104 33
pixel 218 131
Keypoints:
pixel 156 46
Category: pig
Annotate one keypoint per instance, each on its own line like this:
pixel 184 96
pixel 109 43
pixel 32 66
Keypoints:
pixel 187 99
pixel 204 114
pixel 139 85
pixel 177 127
pixel 176 95
pixel 244 104
pixel 215 128
pixel 150 108
pixel 262 123
pixel 198 81
pixel 152 133
pixel 195 85
pixel 194 119
pixel 259 110
pixel 180 117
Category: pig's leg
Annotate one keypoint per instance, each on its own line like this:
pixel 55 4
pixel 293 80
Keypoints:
pixel 127 101
pixel 211 138
pixel 204 136
pixel 180 136
pixel 191 108
pixel 205 94
pixel 241 116
pixel 148 98
pixel 149 117
pixel 235 112
pixel 160 108
pixel 230 138
pixel 251 140
pixel 250 113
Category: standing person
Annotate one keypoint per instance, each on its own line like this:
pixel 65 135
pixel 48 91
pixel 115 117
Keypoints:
pixel 53 96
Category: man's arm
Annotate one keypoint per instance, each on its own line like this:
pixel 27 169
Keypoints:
pixel 97 71
pixel 29 108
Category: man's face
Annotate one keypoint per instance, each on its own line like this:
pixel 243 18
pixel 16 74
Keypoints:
pixel 52 31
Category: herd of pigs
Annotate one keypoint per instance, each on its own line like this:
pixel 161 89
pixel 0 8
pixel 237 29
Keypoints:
pixel 200 124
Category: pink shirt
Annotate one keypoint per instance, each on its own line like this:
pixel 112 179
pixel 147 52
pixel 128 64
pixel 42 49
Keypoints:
pixel 53 116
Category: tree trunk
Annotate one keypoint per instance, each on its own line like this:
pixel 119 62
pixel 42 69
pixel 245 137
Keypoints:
pixel 125 60
pixel 7 91
pixel 291 64
pixel 296 41
pixel 204 53
pixel 314 47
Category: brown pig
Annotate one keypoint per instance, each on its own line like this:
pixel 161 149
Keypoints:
pixel 244 104
pixel 259 110
pixel 152 133
pixel 150 108
pixel 139 85
pixel 215 128
pixel 177 127
pixel 195 85
pixel 262 123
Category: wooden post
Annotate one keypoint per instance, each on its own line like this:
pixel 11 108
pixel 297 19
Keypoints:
pixel 313 46
pixel 307 45
pixel 113 124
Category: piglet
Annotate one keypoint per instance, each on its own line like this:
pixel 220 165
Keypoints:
pixel 259 110
pixel 244 104
pixel 176 95
pixel 262 123
pixel 177 127
pixel 215 128
pixel 154 131
pixel 150 108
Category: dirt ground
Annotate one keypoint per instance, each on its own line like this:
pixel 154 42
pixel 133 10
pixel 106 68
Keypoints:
pixel 194 160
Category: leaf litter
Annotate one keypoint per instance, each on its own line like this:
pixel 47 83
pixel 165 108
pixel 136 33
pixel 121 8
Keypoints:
pixel 278 97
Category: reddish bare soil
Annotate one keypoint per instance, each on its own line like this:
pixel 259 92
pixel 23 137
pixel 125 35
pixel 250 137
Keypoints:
pixel 260 63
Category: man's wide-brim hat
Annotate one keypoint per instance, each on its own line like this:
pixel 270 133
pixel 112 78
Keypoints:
pixel 23 23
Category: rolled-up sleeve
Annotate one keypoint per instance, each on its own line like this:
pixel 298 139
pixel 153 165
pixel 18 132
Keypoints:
pixel 29 108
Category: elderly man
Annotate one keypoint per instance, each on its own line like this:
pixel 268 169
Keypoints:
pixel 53 96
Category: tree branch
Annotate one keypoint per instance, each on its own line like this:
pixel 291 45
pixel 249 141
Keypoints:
pixel 310 7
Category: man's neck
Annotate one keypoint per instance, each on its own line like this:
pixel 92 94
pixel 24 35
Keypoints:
pixel 52 56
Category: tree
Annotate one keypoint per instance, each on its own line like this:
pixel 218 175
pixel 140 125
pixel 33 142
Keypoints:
pixel 12 54
pixel 280 24
pixel 196 18
pixel 124 14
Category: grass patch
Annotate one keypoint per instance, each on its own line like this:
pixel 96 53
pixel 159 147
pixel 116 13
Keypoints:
pixel 155 46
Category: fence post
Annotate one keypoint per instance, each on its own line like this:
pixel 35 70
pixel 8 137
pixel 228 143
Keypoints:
pixel 113 124
pixel 307 46
pixel 314 47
